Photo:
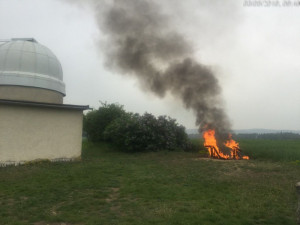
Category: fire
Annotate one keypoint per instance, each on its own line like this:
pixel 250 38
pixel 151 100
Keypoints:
pixel 210 143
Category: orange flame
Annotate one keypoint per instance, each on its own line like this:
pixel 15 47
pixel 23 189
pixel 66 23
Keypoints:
pixel 210 143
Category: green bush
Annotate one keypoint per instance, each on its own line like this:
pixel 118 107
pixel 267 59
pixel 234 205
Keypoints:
pixel 95 122
pixel 133 132
pixel 146 133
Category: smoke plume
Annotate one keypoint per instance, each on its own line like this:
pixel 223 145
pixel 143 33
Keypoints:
pixel 142 43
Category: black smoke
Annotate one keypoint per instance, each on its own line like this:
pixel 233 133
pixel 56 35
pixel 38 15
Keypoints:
pixel 141 42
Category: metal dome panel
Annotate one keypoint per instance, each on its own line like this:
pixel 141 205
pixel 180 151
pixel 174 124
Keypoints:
pixel 24 62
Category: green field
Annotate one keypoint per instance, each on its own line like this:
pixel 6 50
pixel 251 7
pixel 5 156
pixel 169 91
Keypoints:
pixel 274 150
pixel 110 187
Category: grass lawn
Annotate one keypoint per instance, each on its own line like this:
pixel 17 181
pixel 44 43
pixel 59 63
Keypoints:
pixel 109 187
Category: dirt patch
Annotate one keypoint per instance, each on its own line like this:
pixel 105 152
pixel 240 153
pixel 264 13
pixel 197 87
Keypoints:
pixel 113 201
pixel 114 195
pixel 54 210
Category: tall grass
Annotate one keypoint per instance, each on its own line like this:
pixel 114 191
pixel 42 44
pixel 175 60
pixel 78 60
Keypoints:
pixel 277 150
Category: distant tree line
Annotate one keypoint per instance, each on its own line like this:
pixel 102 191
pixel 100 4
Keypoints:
pixel 134 132
pixel 270 136
pixel 265 136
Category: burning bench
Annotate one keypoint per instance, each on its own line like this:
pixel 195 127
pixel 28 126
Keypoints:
pixel 214 153
pixel 210 143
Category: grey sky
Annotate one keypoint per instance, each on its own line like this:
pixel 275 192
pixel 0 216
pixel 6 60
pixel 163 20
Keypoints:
pixel 253 50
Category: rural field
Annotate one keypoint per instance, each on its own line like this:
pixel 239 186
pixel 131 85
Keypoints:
pixel 111 187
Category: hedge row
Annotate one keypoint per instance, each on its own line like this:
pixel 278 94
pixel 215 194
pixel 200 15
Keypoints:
pixel 134 132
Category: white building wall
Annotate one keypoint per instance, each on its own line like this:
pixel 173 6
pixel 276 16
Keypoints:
pixel 32 133
pixel 32 94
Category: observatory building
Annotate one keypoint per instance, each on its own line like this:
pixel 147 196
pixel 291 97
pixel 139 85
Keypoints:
pixel 34 122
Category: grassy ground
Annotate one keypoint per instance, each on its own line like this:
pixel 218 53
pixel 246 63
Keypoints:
pixel 109 187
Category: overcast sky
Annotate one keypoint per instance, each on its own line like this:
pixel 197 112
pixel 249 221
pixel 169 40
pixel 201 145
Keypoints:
pixel 254 51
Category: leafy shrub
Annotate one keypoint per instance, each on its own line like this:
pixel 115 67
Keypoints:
pixel 146 133
pixel 133 132
pixel 96 121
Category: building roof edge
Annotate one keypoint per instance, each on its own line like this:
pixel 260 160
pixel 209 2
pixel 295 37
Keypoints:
pixel 44 105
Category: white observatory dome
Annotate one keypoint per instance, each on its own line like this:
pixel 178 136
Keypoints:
pixel 26 63
pixel 30 71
